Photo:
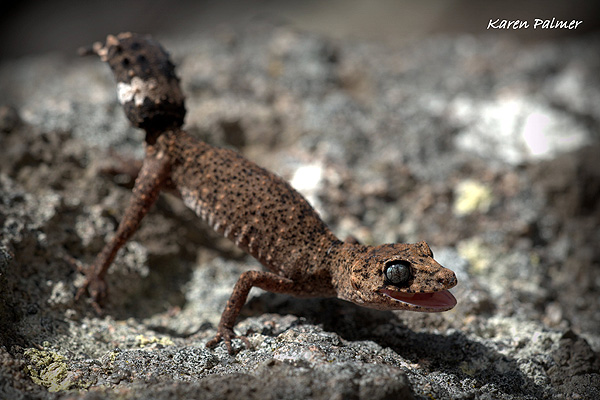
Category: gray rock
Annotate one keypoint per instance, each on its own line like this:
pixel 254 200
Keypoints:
pixel 384 138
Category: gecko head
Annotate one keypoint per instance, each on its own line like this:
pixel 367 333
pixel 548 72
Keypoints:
pixel 400 277
pixel 147 85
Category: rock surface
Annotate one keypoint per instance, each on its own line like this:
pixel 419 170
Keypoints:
pixel 486 148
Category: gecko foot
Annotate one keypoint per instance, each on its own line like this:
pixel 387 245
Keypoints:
pixel 227 335
pixel 93 285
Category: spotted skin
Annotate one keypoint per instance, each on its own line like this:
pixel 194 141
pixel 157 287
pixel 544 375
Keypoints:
pixel 254 208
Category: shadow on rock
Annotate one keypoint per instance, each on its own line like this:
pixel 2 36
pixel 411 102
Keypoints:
pixel 452 354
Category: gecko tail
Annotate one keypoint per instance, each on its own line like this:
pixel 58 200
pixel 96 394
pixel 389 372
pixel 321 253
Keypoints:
pixel 86 51
pixel 96 49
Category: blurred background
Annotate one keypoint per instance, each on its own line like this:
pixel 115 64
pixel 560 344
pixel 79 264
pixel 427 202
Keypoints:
pixel 28 27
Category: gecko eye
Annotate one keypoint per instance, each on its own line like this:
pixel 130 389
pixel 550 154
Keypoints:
pixel 398 273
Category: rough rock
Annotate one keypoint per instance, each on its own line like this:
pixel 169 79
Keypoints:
pixel 484 147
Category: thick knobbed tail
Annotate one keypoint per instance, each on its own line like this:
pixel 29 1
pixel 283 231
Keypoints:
pixel 147 85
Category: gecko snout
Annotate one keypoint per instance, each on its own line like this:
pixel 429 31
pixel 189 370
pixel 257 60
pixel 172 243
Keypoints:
pixel 447 278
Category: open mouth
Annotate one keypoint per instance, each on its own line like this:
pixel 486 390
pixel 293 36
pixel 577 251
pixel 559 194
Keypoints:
pixel 431 302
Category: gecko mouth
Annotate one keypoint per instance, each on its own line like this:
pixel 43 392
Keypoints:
pixel 430 302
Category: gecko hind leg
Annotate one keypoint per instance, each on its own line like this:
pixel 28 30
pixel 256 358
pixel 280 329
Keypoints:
pixel 118 164
pixel 129 168
pixel 351 239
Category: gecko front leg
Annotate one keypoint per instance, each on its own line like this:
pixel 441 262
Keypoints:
pixel 155 171
pixel 265 280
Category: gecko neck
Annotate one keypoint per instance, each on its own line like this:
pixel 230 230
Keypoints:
pixel 340 259
pixel 151 137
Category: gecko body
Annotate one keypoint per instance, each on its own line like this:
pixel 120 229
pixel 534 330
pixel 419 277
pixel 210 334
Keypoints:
pixel 256 209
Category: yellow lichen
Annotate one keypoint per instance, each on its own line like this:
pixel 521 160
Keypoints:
pixel 48 369
pixel 143 341
pixel 471 196
pixel 478 255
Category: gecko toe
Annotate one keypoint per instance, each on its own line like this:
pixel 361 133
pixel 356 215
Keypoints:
pixel 227 335
pixel 97 308
pixel 80 292
pixel 94 285
pixel 75 263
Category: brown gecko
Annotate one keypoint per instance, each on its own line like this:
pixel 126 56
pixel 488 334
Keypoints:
pixel 256 209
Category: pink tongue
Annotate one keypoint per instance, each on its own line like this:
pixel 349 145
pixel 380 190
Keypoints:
pixel 437 301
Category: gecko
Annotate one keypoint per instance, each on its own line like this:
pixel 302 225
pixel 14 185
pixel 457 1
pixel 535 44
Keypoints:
pixel 256 209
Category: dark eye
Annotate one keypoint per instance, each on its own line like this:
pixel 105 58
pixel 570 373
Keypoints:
pixel 398 273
